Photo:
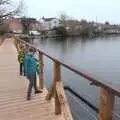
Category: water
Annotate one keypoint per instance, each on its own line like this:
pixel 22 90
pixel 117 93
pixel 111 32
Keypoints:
pixel 99 56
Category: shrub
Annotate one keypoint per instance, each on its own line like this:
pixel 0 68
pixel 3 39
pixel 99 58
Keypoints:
pixel 60 31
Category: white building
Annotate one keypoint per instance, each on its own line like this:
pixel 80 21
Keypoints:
pixel 50 23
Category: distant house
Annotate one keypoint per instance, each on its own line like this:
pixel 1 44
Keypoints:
pixel 14 24
pixel 35 26
pixel 33 23
pixel 50 23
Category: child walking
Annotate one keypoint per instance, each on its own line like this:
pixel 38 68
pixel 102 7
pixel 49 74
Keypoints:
pixel 31 68
pixel 21 55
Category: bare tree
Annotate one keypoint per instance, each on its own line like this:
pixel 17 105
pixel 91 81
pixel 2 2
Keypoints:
pixel 63 18
pixel 7 8
pixel 22 9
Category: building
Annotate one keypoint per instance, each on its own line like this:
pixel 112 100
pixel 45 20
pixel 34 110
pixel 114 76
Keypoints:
pixel 14 25
pixel 50 23
pixel 32 23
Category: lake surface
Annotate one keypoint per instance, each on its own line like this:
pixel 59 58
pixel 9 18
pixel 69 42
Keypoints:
pixel 99 56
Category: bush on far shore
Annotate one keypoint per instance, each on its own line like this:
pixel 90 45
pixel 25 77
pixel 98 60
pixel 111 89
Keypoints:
pixel 60 31
pixel 2 33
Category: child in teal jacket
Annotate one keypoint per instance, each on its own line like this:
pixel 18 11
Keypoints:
pixel 31 69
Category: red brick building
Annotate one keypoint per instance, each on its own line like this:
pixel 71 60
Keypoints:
pixel 14 25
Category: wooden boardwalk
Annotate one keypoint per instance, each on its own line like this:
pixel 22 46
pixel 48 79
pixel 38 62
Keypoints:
pixel 13 103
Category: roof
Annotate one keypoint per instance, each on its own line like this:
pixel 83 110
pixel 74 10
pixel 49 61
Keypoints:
pixel 48 19
pixel 30 20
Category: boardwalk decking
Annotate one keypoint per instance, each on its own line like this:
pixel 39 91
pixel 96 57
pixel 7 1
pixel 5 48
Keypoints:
pixel 13 103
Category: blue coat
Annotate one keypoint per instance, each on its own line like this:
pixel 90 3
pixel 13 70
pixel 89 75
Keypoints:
pixel 31 65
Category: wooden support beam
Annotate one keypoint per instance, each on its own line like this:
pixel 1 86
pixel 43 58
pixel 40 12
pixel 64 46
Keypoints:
pixel 63 101
pixel 15 41
pixel 56 76
pixel 57 104
pixel 41 75
pixel 106 105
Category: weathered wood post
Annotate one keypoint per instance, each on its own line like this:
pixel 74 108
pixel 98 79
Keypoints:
pixel 57 77
pixel 52 90
pixel 16 42
pixel 106 104
pixel 41 75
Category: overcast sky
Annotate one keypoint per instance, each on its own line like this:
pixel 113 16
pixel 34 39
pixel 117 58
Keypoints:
pixel 100 10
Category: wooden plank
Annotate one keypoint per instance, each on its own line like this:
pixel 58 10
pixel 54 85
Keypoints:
pixel 106 105
pixel 41 75
pixel 13 103
pixel 57 77
pixel 63 101
pixel 57 104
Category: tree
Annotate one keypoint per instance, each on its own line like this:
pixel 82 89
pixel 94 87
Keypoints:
pixel 60 31
pixel 63 18
pixel 22 9
pixel 26 25
pixel 7 9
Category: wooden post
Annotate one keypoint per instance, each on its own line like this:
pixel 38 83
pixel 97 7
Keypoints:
pixel 17 45
pixel 106 105
pixel 57 77
pixel 52 90
pixel 57 104
pixel 41 75
pixel 15 41
pixel 66 112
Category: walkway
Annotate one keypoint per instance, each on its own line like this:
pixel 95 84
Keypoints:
pixel 13 103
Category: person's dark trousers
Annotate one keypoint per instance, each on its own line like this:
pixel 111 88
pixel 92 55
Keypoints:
pixel 24 70
pixel 32 83
pixel 21 68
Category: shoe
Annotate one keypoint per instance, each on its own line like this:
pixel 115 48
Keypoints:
pixel 38 91
pixel 20 74
pixel 28 98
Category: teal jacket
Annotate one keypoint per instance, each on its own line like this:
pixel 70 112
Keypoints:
pixel 31 65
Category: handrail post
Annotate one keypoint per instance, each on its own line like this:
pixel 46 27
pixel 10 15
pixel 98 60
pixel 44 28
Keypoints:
pixel 15 41
pixel 18 45
pixel 41 75
pixel 52 90
pixel 57 77
pixel 106 104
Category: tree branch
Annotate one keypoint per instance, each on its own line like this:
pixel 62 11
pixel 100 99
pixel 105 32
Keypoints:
pixel 3 2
